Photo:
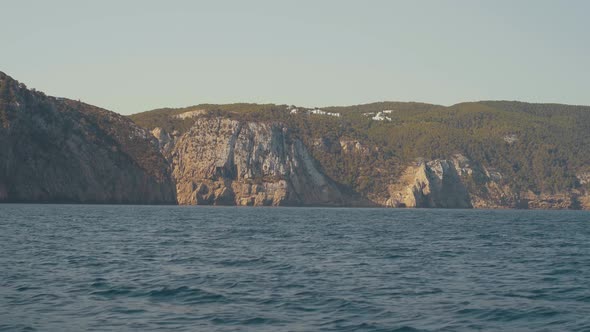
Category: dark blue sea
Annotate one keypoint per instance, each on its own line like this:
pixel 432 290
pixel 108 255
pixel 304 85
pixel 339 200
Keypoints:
pixel 170 268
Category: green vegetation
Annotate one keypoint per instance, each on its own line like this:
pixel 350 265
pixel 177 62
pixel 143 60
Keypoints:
pixel 537 147
pixel 167 118
pixel 4 100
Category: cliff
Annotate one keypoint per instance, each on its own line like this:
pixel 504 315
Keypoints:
pixel 461 183
pixel 485 155
pixel 59 150
pixel 220 161
pixel 430 184
pixel 469 155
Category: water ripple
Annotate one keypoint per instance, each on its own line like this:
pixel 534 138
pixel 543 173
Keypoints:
pixel 151 268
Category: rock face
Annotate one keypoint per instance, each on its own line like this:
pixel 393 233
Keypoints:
pixel 59 150
pixel 459 183
pixel 220 161
pixel 434 184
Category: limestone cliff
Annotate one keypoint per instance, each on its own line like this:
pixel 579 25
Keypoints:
pixel 430 184
pixel 221 161
pixel 459 183
pixel 59 150
pixel 469 155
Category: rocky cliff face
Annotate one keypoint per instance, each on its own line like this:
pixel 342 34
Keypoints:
pixel 459 183
pixel 220 161
pixel 430 184
pixel 59 150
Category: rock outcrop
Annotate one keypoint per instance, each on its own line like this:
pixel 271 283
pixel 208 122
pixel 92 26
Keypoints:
pixel 59 150
pixel 459 183
pixel 221 161
pixel 434 184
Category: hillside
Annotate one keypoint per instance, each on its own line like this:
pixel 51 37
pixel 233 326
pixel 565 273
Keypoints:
pixel 512 154
pixel 60 150
pixel 488 154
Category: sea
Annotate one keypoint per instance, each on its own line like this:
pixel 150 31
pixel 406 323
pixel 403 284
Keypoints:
pixel 180 268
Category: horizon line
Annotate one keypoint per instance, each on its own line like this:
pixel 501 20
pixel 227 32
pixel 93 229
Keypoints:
pixel 304 106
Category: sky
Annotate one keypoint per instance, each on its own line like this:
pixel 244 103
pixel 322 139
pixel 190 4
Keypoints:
pixel 133 56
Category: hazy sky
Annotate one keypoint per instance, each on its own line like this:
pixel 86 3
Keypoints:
pixel 131 56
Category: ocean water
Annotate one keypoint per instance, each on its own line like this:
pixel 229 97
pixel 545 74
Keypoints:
pixel 170 268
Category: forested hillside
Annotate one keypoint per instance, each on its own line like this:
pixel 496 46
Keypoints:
pixel 536 147
pixel 60 150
